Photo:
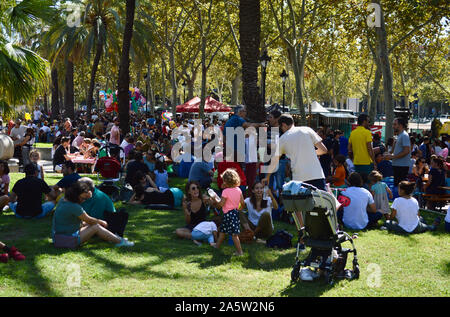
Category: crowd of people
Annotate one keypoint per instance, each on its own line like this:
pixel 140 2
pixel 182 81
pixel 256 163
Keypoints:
pixel 156 149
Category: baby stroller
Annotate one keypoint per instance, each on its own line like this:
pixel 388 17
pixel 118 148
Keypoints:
pixel 320 232
pixel 109 166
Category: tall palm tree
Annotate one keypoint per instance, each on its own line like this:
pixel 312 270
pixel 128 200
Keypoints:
pixel 101 21
pixel 250 30
pixel 124 68
pixel 23 73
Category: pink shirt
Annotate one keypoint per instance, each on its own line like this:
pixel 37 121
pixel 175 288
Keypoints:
pixel 233 196
pixel 115 135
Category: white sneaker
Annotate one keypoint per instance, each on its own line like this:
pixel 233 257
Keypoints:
pixel 125 243
pixel 306 275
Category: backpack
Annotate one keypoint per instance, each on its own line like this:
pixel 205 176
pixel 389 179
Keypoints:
pixel 281 240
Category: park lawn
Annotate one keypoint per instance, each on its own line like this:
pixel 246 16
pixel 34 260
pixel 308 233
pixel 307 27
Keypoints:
pixel 162 265
pixel 44 145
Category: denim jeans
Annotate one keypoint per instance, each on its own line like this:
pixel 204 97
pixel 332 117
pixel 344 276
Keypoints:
pixel 47 207
pixel 200 236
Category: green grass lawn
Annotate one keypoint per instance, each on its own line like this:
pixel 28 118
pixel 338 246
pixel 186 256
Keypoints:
pixel 162 265
pixel 44 145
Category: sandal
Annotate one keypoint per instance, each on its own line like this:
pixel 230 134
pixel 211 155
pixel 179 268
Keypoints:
pixel 15 254
pixel 4 258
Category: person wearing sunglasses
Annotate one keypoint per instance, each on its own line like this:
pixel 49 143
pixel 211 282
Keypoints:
pixel 194 208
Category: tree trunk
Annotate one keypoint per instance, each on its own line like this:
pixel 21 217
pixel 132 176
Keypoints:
pixel 69 94
pixel 61 103
pixel 203 87
pixel 374 96
pixel 333 80
pixel 46 103
pixel 298 74
pixel 163 80
pixel 250 32
pixel 235 84
pixel 55 94
pixel 173 80
pixel 98 54
pixel 124 69
pixel 387 74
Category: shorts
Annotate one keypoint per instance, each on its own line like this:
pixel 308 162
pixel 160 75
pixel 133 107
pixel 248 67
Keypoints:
pixel 75 234
pixel 47 207
pixel 231 223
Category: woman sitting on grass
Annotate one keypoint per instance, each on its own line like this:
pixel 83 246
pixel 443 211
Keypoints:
pixel 406 209
pixel 194 208
pixel 71 220
pixel 259 218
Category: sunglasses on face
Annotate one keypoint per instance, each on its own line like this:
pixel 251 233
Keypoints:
pixel 194 188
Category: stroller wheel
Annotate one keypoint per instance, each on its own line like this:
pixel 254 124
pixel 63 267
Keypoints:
pixel 356 272
pixel 328 278
pixel 295 274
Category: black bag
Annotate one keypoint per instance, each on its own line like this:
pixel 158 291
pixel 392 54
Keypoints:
pixel 117 221
pixel 125 193
pixel 280 240
pixel 110 189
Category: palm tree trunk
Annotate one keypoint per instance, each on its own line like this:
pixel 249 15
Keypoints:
pixel 124 68
pixel 250 31
pixel 98 55
pixel 55 94
pixel 69 94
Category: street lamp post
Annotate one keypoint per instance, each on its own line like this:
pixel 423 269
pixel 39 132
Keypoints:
pixel 284 76
pixel 264 59
pixel 184 90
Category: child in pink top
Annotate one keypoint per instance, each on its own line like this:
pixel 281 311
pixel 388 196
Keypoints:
pixel 232 201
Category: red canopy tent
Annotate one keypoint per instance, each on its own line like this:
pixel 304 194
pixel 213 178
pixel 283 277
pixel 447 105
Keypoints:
pixel 211 105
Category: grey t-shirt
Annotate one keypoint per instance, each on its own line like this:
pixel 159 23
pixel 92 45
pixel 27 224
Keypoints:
pixel 402 141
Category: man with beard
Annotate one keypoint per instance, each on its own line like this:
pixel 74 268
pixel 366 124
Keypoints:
pixel 401 159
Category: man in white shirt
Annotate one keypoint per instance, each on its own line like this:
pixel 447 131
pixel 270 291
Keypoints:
pixel 361 213
pixel 299 144
pixel 17 135
pixel 37 115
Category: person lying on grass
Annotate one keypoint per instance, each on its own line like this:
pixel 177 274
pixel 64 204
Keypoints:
pixel 71 220
pixel 11 252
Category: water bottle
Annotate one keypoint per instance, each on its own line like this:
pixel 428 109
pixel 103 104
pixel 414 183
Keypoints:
pixel 266 190
pixel 213 194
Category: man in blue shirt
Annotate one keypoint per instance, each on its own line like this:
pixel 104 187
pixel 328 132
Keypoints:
pixel 202 173
pixel 238 120
pixel 70 175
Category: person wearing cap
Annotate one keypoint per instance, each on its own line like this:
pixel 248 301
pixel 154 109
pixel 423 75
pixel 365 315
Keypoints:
pixel 114 137
pixel 26 196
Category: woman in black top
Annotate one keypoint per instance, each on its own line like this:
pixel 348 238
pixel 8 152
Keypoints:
pixel 26 145
pixel 194 207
